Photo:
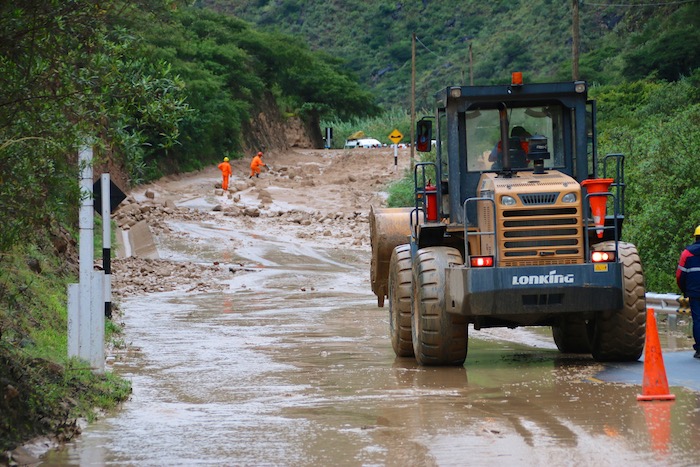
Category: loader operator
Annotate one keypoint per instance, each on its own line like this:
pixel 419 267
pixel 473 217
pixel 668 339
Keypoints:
pixel 255 165
pixel 226 172
pixel 520 160
pixel 688 279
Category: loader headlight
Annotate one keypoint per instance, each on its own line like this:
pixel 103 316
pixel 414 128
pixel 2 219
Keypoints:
pixel 507 200
pixel 569 198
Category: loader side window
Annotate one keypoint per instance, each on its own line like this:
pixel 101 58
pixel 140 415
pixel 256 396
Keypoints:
pixel 482 131
pixel 442 144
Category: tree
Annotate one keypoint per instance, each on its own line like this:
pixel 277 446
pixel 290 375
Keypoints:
pixel 67 76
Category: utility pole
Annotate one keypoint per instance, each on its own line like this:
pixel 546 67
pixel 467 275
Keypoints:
pixel 471 66
pixel 576 41
pixel 413 98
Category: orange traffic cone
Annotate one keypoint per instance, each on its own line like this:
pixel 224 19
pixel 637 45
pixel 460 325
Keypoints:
pixel 654 383
pixel 598 203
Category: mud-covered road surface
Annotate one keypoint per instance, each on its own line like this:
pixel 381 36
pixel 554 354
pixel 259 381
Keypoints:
pixel 252 337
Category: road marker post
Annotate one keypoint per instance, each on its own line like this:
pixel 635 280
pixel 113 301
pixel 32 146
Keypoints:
pixel 396 137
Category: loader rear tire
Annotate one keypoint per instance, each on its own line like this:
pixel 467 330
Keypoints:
pixel 400 290
pixel 439 338
pixel 571 335
pixel 618 335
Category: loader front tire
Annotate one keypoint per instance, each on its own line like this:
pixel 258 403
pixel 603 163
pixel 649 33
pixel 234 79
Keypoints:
pixel 439 338
pixel 618 335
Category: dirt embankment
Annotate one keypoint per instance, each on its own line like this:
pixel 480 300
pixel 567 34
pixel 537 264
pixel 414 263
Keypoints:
pixel 323 196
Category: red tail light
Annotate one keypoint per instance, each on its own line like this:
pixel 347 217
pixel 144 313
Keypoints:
pixel 603 256
pixel 481 261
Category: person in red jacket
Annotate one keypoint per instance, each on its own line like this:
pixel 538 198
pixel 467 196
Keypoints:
pixel 226 172
pixel 255 165
pixel 688 280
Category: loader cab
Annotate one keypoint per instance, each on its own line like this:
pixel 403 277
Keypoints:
pixel 475 125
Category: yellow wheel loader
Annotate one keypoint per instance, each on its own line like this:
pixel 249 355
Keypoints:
pixel 515 223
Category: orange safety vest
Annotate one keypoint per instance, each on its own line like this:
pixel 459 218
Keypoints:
pixel 225 168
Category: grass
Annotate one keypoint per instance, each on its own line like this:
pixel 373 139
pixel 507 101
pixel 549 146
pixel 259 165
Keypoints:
pixel 44 392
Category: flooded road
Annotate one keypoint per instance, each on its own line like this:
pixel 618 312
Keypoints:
pixel 291 365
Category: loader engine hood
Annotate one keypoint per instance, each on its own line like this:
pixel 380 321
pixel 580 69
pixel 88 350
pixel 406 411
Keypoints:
pixel 537 218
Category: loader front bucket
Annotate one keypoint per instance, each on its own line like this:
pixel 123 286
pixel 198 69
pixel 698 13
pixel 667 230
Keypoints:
pixel 389 227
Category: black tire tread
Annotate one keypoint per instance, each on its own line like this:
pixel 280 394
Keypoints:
pixel 439 338
pixel 400 291
pixel 619 335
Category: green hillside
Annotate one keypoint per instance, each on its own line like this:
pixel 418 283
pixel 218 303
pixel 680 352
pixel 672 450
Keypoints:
pixel 374 38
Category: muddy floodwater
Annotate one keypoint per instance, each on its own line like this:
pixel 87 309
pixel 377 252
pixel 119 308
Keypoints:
pixel 291 365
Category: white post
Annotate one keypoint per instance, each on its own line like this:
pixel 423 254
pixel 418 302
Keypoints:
pixel 106 244
pixel 73 320
pixel 87 255
pixel 96 354
pixel 396 157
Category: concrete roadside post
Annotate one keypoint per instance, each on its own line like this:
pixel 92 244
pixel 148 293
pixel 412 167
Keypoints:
pixel 85 249
pixel 85 299
pixel 96 339
pixel 328 138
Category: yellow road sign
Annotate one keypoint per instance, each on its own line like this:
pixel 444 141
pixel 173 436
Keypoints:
pixel 396 136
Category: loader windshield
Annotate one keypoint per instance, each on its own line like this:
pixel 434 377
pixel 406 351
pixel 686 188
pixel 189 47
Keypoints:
pixel 484 134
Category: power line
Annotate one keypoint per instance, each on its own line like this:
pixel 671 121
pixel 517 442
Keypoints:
pixel 427 48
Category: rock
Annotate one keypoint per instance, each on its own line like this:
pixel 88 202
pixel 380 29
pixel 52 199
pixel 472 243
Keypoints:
pixel 252 212
pixel 149 194
pixel 34 265
pixel 232 211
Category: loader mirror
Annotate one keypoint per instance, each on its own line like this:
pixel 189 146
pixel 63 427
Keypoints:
pixel 424 130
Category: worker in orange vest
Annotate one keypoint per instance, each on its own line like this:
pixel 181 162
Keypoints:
pixel 226 172
pixel 255 165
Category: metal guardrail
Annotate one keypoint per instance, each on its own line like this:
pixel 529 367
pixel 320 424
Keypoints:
pixel 669 304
